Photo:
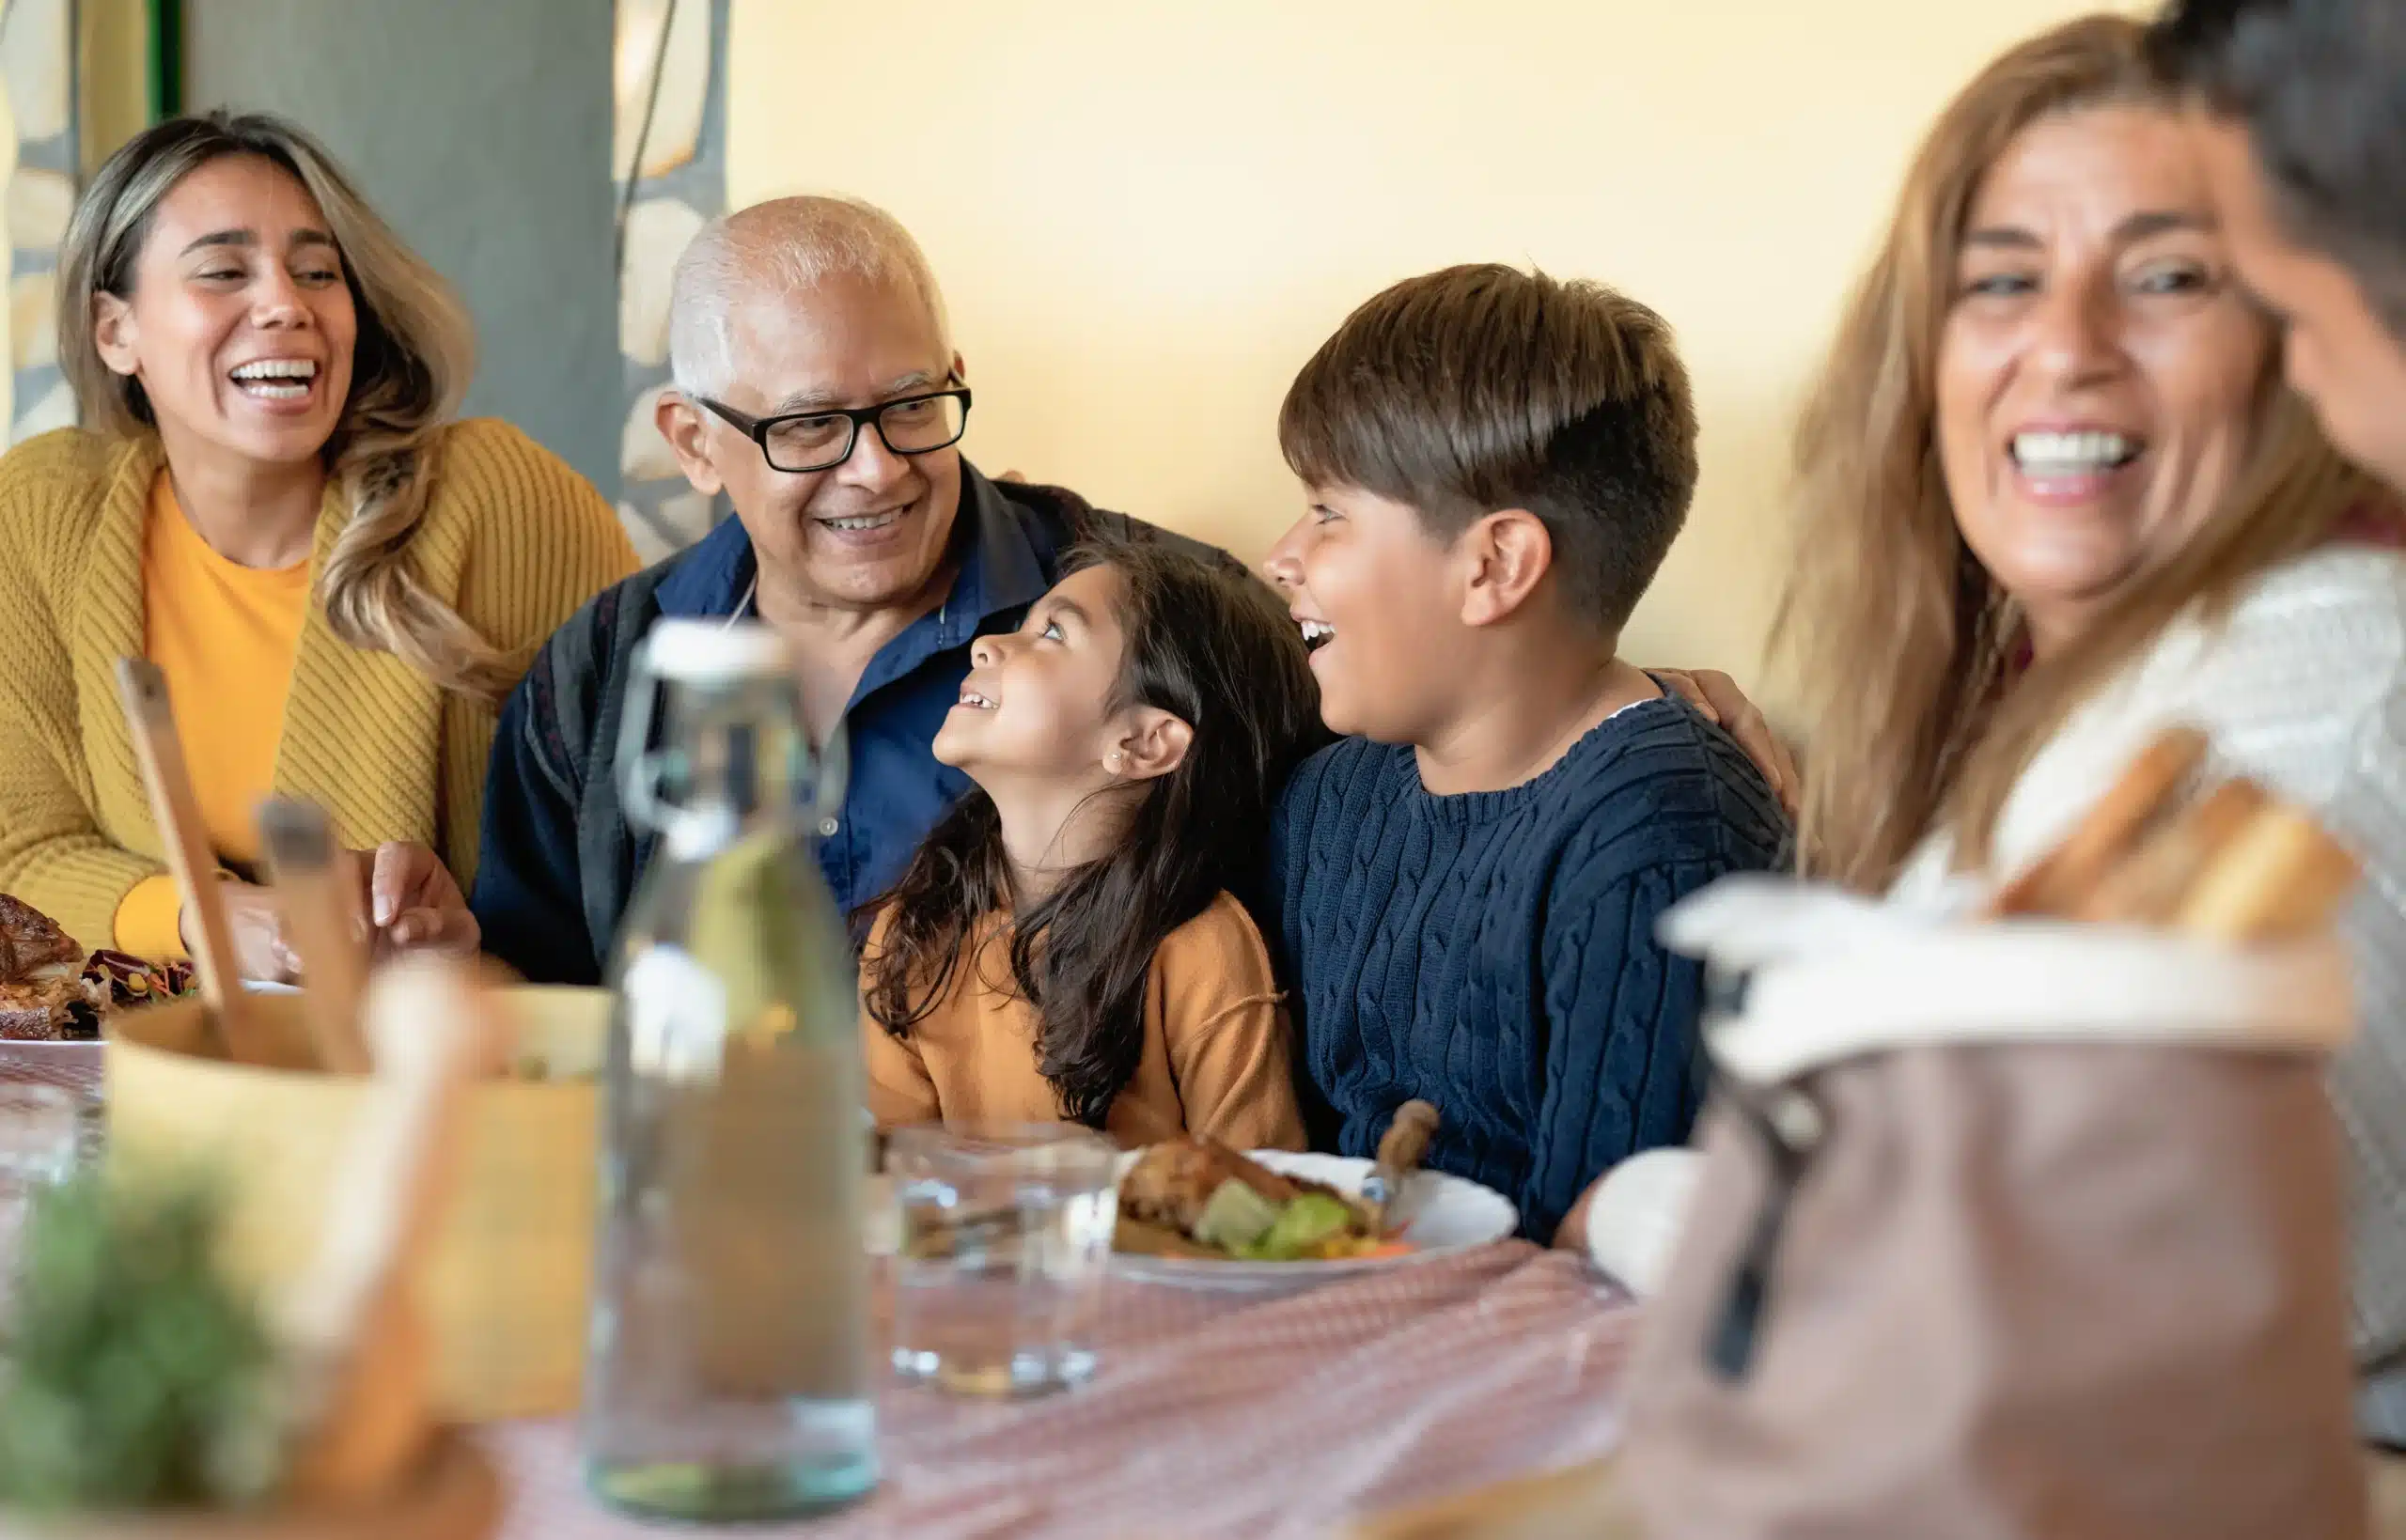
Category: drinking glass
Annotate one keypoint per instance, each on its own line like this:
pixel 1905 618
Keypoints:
pixel 40 1129
pixel 1005 1237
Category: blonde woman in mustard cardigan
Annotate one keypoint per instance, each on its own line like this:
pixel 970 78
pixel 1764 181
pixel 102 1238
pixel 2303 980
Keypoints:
pixel 269 499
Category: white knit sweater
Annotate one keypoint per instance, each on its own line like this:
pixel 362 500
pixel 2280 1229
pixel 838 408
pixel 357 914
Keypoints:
pixel 2303 688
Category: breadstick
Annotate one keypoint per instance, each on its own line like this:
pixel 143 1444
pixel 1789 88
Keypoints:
pixel 2058 881
pixel 2147 888
pixel 2280 876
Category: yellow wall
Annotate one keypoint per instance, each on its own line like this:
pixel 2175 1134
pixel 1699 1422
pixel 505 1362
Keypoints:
pixel 1146 216
pixel 113 88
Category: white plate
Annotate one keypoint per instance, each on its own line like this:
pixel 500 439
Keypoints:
pixel 1447 1215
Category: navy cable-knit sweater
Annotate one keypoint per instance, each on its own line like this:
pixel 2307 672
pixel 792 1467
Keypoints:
pixel 1495 953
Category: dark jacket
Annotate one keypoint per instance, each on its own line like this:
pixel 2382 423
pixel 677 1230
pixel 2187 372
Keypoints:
pixel 557 861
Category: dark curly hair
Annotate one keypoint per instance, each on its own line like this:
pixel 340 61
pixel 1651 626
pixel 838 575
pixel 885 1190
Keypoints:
pixel 1213 648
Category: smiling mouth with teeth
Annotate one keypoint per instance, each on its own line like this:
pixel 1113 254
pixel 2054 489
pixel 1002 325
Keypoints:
pixel 2045 456
pixel 975 701
pixel 860 522
pixel 1317 634
pixel 276 378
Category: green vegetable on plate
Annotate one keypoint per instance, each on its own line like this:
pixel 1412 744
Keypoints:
pixel 1305 1223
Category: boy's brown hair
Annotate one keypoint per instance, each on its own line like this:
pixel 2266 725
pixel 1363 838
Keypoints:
pixel 1481 387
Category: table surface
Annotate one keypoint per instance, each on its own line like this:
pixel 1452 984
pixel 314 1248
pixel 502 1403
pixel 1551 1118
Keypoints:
pixel 1211 1414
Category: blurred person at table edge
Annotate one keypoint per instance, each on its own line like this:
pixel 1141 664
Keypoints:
pixel 2302 124
pixel 269 500
pixel 2093 511
pixel 816 384
pixel 2300 117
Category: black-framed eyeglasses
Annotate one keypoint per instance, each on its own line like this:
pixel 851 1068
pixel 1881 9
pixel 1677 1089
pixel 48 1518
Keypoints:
pixel 822 440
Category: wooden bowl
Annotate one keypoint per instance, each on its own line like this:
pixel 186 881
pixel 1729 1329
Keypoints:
pixel 512 1275
pixel 456 1497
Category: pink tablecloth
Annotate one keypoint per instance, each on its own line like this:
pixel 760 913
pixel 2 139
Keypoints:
pixel 1211 1414
pixel 1217 1416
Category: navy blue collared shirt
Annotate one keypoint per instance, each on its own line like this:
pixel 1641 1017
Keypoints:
pixel 557 861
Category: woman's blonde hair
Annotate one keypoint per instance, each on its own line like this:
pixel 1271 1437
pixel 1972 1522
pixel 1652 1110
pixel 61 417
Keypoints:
pixel 409 366
pixel 1899 638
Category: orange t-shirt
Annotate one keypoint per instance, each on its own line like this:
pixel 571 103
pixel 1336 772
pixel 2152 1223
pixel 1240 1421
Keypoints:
pixel 226 636
pixel 1214 1060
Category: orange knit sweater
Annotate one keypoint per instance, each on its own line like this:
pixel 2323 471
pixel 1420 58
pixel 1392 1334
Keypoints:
pixel 1215 1057
pixel 512 539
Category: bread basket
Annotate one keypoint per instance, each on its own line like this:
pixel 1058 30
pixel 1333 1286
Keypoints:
pixel 511 1276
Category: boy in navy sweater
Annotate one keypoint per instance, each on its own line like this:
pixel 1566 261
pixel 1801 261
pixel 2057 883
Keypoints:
pixel 1465 889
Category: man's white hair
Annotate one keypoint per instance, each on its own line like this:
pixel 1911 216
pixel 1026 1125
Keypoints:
pixel 783 247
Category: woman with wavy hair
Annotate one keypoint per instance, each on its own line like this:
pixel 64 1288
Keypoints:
pixel 271 500
pixel 2053 496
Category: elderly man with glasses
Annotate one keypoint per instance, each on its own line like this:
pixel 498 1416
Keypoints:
pixel 816 384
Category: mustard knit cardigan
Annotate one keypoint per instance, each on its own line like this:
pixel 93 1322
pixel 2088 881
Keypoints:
pixel 512 539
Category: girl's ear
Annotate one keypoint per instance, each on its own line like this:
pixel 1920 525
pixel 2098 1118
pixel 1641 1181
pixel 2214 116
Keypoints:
pixel 1153 743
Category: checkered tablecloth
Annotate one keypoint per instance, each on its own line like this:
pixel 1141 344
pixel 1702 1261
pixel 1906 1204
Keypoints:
pixel 1214 1415
pixel 1211 1415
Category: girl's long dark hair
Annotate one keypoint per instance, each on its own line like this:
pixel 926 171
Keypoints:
pixel 1213 648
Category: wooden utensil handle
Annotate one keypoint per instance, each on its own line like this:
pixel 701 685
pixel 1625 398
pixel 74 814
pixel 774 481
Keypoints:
pixel 322 912
pixel 152 721
pixel 1405 1144
pixel 355 1315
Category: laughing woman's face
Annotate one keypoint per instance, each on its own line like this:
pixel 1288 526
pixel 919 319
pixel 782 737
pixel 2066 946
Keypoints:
pixel 2099 368
pixel 240 325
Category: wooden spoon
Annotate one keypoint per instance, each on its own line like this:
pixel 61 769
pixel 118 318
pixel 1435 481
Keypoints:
pixel 353 1320
pixel 322 912
pixel 151 720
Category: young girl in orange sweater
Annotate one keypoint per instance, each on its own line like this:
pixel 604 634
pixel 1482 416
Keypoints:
pixel 1065 946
